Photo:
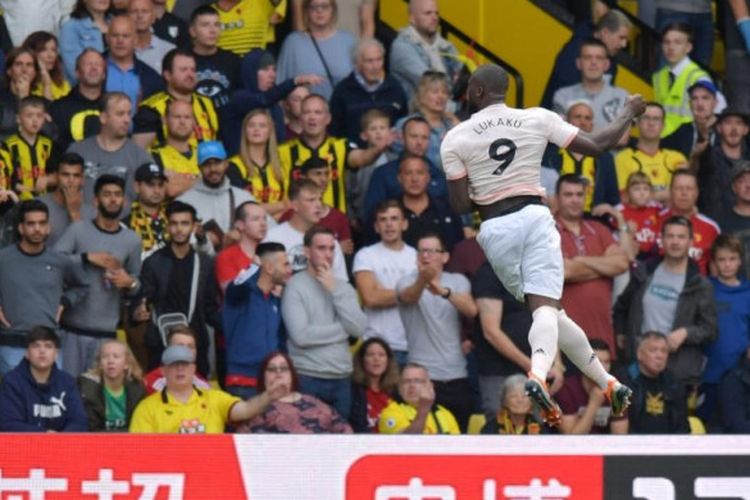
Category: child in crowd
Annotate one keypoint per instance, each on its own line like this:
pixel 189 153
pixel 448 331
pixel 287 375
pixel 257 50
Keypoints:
pixel 641 213
pixel 28 152
pixel 375 131
pixel 732 296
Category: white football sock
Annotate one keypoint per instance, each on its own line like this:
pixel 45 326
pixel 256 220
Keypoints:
pixel 543 340
pixel 575 345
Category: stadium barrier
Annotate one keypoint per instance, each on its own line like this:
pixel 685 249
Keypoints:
pixel 268 467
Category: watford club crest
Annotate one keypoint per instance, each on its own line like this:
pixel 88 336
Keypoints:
pixel 655 403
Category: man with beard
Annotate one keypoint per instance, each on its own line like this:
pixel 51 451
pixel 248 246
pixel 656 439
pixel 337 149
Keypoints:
pixel 178 70
pixel 65 203
pixel 111 151
pixel 718 163
pixel 36 283
pixel 179 282
pixel 77 113
pixel 213 197
pixel 111 256
pixel 147 215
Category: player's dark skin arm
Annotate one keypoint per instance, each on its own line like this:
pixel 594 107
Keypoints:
pixel 458 195
pixel 604 139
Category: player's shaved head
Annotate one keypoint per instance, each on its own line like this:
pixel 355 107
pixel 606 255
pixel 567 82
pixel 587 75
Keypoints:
pixel 487 85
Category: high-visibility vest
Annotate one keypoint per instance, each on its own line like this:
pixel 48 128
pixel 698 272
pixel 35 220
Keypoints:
pixel 675 99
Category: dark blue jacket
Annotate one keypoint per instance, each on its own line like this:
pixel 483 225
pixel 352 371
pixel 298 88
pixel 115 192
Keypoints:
pixel 734 399
pixel 683 139
pixel 565 72
pixel 248 98
pixel 28 406
pixel 384 186
pixel 733 314
pixel 350 101
pixel 252 324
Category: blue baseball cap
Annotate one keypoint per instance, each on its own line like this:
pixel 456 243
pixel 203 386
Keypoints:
pixel 703 84
pixel 177 354
pixel 211 150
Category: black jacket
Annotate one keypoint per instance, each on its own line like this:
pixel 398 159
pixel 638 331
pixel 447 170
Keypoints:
pixel 155 278
pixel 76 117
pixel 696 311
pixel 350 101
pixel 734 399
pixel 92 393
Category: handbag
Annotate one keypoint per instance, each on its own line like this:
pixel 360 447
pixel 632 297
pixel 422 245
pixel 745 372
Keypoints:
pixel 165 322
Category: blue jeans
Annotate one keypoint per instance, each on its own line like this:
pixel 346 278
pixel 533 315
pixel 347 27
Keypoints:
pixel 703 33
pixel 10 357
pixel 337 392
pixel 402 357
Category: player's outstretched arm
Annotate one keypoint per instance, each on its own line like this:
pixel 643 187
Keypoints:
pixel 604 139
pixel 458 195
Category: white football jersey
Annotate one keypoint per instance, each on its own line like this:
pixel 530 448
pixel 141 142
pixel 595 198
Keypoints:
pixel 501 148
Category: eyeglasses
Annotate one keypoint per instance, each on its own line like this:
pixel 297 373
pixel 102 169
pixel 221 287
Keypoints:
pixel 277 369
pixel 430 251
pixel 320 7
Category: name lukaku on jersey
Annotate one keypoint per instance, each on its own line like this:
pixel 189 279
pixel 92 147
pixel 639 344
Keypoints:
pixel 496 122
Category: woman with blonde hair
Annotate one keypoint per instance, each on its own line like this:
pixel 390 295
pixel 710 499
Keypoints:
pixel 257 167
pixel 112 388
pixel 431 101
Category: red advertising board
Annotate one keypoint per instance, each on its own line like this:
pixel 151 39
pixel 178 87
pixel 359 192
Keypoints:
pixel 53 466
pixel 448 477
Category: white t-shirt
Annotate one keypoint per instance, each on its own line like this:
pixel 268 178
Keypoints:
pixel 293 241
pixel 388 266
pixel 501 149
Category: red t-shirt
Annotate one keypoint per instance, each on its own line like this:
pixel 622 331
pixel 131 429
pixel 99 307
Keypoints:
pixel 589 303
pixel 705 231
pixel 230 262
pixel 376 403
pixel 646 220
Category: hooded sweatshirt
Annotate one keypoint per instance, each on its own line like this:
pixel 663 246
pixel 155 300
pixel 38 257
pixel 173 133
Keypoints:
pixel 216 204
pixel 249 97
pixel 733 311
pixel 28 406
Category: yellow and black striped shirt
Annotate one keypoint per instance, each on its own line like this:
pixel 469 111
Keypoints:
pixel 149 118
pixel 175 161
pixel 245 26
pixel 295 152
pixel 265 187
pixel 27 162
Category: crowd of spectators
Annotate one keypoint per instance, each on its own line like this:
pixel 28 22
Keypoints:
pixel 232 216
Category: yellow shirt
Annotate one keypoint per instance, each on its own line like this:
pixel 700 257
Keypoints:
pixel 398 416
pixel 295 152
pixel 245 26
pixel 58 91
pixel 150 118
pixel 265 187
pixel 177 162
pixel 206 412
pixel 659 167
pixel 27 162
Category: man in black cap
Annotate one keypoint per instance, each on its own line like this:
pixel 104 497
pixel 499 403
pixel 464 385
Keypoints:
pixel 691 139
pixel 718 162
pixel 147 215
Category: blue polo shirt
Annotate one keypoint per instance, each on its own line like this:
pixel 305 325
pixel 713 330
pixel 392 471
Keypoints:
pixel 125 81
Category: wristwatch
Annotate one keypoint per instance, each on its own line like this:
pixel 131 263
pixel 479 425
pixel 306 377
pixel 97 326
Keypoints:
pixel 134 285
pixel 447 293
